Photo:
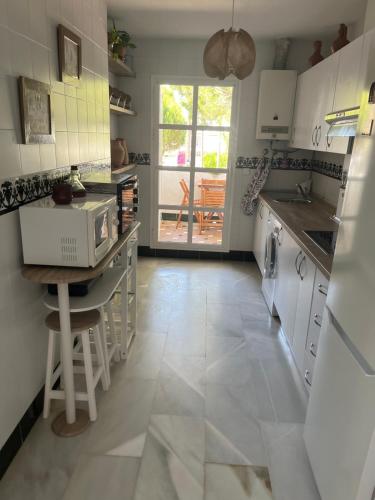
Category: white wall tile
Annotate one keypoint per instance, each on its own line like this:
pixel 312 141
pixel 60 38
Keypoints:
pixel 73 147
pixel 18 16
pixel 59 110
pixel 70 90
pixel 83 141
pixel 91 117
pixel 53 10
pixel 67 10
pixel 30 158
pixel 40 62
pixel 5 54
pixel 9 114
pixel 81 89
pixel 99 119
pixel 82 115
pixel 71 114
pixel 90 86
pixel 87 20
pixel 92 147
pixel 47 156
pixel 56 85
pixel 10 160
pixel 62 152
pixel 38 21
pixel 3 13
pixel 21 59
pixel 79 14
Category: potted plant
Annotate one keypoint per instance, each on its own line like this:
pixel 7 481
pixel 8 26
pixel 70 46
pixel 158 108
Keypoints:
pixel 118 42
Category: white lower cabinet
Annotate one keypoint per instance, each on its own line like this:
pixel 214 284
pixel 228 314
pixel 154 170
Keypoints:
pixel 300 296
pixel 287 283
pixel 306 270
pixel 315 322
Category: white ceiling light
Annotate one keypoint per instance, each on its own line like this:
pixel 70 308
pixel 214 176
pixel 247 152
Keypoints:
pixel 229 53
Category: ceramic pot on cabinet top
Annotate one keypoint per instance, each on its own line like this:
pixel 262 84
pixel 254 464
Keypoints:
pixel 117 153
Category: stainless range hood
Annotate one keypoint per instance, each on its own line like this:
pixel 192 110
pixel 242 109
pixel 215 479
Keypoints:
pixel 343 123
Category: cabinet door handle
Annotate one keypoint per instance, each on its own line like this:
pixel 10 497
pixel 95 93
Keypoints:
pixel 322 289
pixel 261 211
pixel 313 135
pixel 299 268
pixel 318 131
pixel 296 261
pixel 278 236
pixel 316 316
pixel 307 373
pixel 313 349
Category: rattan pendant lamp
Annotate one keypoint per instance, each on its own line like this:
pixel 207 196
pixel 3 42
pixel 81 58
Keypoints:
pixel 229 53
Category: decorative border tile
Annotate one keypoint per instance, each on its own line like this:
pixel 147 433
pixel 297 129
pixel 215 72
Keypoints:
pixel 277 163
pixel 329 169
pixel 17 191
pixel 322 167
pixel 140 158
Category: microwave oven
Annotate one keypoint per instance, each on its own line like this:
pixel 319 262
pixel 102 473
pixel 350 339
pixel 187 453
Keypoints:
pixel 75 235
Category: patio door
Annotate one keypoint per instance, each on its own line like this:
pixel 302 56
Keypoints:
pixel 192 146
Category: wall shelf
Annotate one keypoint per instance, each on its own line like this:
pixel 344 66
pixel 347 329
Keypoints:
pixel 119 68
pixel 118 110
pixel 123 169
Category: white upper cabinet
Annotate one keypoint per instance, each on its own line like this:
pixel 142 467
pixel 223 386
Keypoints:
pixel 347 93
pixel 334 84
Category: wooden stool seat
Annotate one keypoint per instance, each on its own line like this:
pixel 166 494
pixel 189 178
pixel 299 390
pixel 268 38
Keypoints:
pixel 78 321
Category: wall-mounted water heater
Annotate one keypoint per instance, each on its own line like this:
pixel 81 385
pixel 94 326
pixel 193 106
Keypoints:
pixel 276 104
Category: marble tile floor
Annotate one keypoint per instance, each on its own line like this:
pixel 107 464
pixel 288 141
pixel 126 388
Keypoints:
pixel 205 408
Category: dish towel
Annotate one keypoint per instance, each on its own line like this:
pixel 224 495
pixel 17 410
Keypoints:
pixel 250 198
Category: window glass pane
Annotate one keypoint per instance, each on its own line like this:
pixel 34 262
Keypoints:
pixel 208 228
pixel 214 106
pixel 174 148
pixel 209 189
pixel 212 149
pixel 174 188
pixel 176 104
pixel 173 225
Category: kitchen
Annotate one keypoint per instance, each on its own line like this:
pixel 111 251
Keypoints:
pixel 250 371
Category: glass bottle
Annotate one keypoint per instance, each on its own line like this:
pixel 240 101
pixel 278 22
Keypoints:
pixel 78 188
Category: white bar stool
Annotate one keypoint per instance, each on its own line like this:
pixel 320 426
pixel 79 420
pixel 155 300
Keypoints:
pixel 81 323
pixel 99 297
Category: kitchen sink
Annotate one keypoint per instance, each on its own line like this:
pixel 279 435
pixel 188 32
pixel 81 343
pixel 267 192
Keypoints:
pixel 290 198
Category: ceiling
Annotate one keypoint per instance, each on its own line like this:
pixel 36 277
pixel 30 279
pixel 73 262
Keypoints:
pixel 262 18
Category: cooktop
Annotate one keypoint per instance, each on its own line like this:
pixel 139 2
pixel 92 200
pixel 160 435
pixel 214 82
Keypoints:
pixel 326 240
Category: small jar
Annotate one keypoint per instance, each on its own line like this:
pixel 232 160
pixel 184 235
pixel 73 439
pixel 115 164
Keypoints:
pixel 78 188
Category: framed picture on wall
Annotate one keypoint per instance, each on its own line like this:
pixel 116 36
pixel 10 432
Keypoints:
pixel 70 56
pixel 37 124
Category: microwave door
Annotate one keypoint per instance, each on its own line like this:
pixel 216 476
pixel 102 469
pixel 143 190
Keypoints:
pixel 102 234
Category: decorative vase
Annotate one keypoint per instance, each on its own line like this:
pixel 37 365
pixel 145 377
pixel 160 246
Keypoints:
pixel 62 193
pixel 125 148
pixel 341 40
pixel 117 153
pixel 121 52
pixel 316 57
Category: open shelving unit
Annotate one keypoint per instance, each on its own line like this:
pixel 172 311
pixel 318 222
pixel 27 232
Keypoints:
pixel 118 110
pixel 119 68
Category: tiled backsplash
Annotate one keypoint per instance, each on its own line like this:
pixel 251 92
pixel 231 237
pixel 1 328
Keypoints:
pixel 322 167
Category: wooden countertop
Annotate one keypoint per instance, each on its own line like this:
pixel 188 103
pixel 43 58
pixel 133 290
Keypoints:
pixel 297 218
pixel 59 274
